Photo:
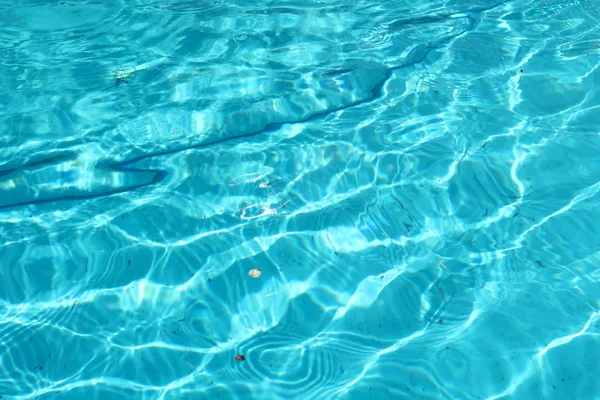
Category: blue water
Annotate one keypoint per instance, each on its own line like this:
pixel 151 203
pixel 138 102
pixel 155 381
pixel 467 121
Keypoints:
pixel 417 181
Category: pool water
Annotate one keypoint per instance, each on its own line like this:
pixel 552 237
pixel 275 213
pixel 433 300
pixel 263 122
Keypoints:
pixel 417 182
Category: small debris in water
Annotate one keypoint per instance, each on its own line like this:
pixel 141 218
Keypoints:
pixel 254 273
pixel 240 357
pixel 441 263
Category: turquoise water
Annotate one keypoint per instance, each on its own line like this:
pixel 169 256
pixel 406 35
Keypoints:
pixel 418 182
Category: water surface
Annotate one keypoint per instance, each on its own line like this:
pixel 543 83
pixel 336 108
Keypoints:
pixel 417 182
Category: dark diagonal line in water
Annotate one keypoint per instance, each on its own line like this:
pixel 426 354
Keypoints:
pixel 417 55
pixel 62 157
